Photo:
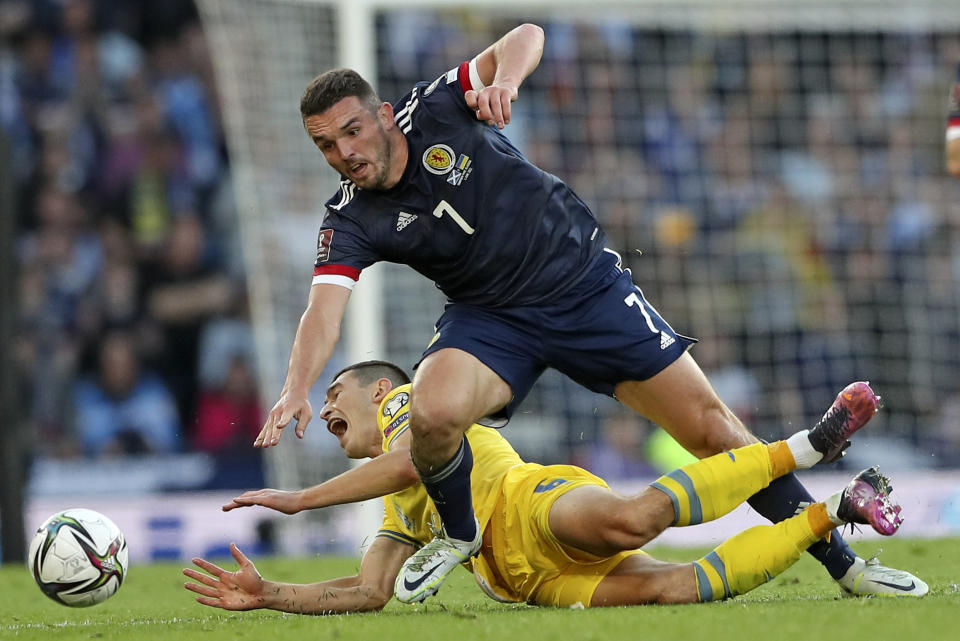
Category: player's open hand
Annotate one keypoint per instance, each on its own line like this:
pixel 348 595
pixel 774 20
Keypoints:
pixel 240 590
pixel 288 408
pixel 492 103
pixel 286 501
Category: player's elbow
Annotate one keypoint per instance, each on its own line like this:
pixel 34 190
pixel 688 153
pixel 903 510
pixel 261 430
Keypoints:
pixel 532 31
pixel 376 600
pixel 407 473
pixel 533 35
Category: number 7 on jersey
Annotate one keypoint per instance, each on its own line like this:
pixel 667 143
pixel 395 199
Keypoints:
pixel 443 207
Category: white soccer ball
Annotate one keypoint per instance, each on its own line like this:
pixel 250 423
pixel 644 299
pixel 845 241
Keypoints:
pixel 78 557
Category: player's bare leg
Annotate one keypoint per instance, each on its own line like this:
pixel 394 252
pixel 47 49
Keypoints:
pixel 451 390
pixel 682 401
pixel 642 579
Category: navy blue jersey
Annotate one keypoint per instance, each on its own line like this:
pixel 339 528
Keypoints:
pixel 470 212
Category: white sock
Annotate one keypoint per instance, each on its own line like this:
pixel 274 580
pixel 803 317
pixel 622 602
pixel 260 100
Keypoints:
pixel 802 450
pixel 833 504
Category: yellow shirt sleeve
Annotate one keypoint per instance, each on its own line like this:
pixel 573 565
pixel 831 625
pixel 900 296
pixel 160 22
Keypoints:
pixel 394 417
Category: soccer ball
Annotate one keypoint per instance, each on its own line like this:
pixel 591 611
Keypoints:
pixel 78 557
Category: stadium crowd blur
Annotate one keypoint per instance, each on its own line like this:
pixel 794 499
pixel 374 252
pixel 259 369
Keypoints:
pixel 134 335
pixel 781 197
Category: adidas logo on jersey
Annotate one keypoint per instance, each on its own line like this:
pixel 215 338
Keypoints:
pixel 666 340
pixel 404 219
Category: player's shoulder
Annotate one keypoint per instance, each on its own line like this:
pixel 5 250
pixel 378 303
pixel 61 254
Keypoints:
pixel 346 191
pixel 441 99
pixel 395 401
pixel 393 416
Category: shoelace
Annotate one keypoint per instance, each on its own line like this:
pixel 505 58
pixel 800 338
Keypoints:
pixel 437 549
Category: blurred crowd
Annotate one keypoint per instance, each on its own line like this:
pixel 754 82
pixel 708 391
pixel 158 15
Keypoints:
pixel 134 335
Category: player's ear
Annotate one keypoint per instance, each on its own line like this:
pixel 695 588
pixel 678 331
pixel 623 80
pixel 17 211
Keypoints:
pixel 385 114
pixel 384 386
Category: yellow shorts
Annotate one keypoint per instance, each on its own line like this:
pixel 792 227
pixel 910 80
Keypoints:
pixel 525 561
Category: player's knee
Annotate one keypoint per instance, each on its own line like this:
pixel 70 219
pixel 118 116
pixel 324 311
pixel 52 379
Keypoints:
pixel 628 527
pixel 720 431
pixel 437 422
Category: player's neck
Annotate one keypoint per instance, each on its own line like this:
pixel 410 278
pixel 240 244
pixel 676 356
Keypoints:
pixel 399 154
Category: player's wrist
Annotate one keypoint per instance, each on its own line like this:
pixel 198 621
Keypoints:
pixel 268 596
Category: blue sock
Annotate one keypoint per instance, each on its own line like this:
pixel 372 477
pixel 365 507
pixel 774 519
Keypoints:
pixel 779 501
pixel 449 488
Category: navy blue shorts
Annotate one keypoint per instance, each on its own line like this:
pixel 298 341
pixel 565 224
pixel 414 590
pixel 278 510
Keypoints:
pixel 600 334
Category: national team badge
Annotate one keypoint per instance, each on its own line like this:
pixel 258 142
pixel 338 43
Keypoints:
pixel 461 170
pixel 395 404
pixel 438 159
pixel 323 245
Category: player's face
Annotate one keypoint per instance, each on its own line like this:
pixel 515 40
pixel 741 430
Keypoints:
pixel 351 415
pixel 354 142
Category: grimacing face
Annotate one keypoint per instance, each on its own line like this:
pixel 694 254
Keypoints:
pixel 354 142
pixel 350 411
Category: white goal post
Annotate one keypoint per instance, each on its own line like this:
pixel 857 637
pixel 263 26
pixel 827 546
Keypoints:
pixel 771 170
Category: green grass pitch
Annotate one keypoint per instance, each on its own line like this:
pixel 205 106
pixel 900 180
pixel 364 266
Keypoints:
pixel 800 604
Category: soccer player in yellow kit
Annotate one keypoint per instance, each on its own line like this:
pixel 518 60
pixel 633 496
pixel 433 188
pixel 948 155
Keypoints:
pixel 552 535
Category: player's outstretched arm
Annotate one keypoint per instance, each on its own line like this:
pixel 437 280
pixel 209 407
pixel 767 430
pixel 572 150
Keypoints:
pixel 245 589
pixel 502 68
pixel 317 334
pixel 388 473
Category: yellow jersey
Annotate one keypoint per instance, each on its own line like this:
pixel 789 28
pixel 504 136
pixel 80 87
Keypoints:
pixel 409 515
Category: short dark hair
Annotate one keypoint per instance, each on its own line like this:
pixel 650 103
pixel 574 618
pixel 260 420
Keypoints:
pixel 367 372
pixel 331 87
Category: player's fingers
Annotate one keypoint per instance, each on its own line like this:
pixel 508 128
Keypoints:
pixel 483 108
pixel 264 432
pixel 506 108
pixel 238 555
pixel 240 501
pixel 274 429
pixel 213 603
pixel 496 110
pixel 303 419
pixel 203 564
pixel 205 579
pixel 202 589
pixel 470 96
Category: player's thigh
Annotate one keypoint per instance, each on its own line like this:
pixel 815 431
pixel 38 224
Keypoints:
pixel 681 400
pixel 452 387
pixel 593 519
pixel 641 579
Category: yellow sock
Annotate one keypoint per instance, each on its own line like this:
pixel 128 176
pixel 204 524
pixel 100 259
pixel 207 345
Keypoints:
pixel 714 486
pixel 758 554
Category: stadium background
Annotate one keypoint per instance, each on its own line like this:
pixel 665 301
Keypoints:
pixel 772 175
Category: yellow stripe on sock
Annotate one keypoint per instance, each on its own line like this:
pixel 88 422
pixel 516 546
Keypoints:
pixel 820 523
pixel 781 459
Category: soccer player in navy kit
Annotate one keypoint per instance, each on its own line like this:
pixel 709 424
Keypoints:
pixel 432 183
